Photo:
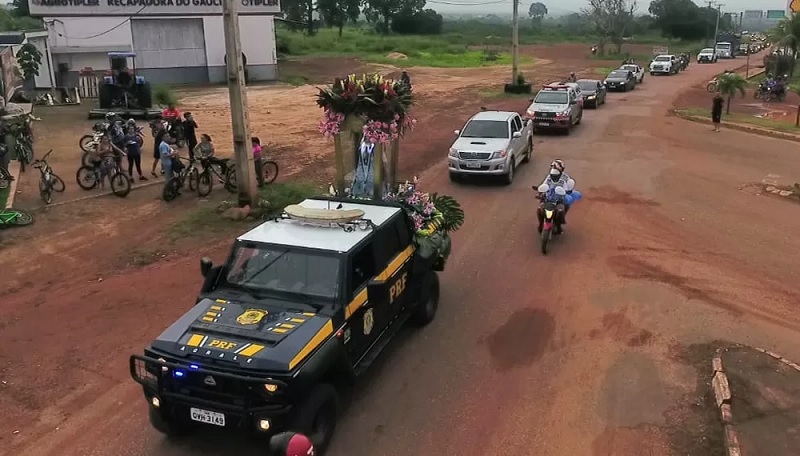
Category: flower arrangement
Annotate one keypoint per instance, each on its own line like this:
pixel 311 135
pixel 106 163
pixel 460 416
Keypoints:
pixel 381 106
pixel 433 216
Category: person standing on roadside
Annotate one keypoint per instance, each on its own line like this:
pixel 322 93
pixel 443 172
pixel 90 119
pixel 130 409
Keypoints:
pixel 157 139
pixel 257 150
pixel 716 110
pixel 168 157
pixel 134 153
pixel 190 132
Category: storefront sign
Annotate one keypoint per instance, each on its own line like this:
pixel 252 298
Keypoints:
pixel 147 7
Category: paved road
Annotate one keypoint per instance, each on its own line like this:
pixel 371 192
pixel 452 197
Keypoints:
pixel 583 352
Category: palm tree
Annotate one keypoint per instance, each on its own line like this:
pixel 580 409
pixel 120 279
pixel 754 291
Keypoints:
pixel 787 35
pixel 728 85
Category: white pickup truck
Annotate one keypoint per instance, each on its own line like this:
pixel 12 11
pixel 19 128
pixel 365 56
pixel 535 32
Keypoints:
pixel 492 143
pixel 664 64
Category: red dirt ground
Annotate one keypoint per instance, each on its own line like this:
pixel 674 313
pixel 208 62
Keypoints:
pixel 577 353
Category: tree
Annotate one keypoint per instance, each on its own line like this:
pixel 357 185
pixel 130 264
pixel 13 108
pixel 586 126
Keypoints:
pixel 300 12
pixel 537 11
pixel 383 11
pixel 29 59
pixel 336 13
pixel 729 85
pixel 20 8
pixel 425 22
pixel 610 19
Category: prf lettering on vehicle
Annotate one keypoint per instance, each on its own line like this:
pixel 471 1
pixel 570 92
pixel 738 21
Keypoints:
pixel 398 287
pixel 221 344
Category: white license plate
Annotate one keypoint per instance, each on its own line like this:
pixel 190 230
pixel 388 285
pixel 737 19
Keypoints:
pixel 473 165
pixel 207 417
pixel 544 124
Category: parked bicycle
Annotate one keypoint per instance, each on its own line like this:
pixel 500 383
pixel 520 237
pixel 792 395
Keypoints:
pixel 210 170
pixel 15 217
pixel 89 177
pixel 188 172
pixel 23 146
pixel 49 181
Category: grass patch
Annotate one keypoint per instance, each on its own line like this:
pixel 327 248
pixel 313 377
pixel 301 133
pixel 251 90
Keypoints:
pixel 497 93
pixel 207 221
pixel 603 71
pixel 455 59
pixel 745 119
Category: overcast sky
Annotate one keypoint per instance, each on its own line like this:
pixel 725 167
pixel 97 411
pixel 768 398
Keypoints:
pixel 559 7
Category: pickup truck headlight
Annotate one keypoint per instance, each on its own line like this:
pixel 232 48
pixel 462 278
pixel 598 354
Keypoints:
pixel 499 154
pixel 270 387
pixel 591 97
pixel 453 153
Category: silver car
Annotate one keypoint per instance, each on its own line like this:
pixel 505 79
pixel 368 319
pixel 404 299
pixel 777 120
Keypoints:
pixel 492 143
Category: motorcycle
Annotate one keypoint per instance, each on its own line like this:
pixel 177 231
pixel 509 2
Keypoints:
pixel 554 202
pixel 175 129
pixel 776 92
pixel 761 91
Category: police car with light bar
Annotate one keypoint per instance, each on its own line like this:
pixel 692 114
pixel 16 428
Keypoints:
pixel 303 305
pixel 557 106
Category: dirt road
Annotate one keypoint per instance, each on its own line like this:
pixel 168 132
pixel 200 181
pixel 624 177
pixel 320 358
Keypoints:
pixel 584 352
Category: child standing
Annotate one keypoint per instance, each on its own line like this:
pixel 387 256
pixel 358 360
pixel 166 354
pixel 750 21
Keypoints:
pixel 134 152
pixel 257 160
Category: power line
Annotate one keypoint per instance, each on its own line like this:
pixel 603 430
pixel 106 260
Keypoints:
pixel 441 2
pixel 50 24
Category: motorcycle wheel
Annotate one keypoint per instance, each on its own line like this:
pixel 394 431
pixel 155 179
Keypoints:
pixel 546 236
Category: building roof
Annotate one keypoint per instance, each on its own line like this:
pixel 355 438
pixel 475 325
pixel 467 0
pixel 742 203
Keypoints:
pixel 331 238
pixel 493 115
pixel 11 38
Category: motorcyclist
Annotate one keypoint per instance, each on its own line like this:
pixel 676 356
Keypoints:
pixel 405 79
pixel 557 178
pixel 291 444
pixel 572 77
pixel 172 115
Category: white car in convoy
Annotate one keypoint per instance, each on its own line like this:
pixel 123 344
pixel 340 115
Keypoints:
pixel 707 55
pixel 664 64
pixel 638 72
pixel 724 50
pixel 492 143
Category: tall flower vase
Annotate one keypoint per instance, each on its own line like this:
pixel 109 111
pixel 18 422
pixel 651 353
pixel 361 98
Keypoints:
pixel 340 172
pixel 377 173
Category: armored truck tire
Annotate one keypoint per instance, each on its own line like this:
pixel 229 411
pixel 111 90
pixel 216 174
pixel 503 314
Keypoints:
pixel 316 416
pixel 169 425
pixel 425 311
pixel 105 96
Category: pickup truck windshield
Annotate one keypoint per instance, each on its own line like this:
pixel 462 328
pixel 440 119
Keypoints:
pixel 486 129
pixel 269 269
pixel 587 86
pixel 618 74
pixel 707 51
pixel 662 58
pixel 551 97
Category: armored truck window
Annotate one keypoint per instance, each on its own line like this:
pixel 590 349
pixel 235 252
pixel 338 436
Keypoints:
pixel 362 267
pixel 266 269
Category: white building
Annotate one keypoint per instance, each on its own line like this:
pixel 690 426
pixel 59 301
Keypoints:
pixel 175 41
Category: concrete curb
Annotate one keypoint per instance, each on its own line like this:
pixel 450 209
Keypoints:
pixel 722 396
pixel 13 169
pixel 160 181
pixel 738 126
pixel 780 358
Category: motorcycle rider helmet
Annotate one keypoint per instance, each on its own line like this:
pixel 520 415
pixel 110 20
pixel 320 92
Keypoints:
pixel 131 122
pixel 558 164
pixel 110 116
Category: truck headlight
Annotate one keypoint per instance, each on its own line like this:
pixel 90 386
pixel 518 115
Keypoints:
pixel 591 97
pixel 453 153
pixel 270 387
pixel 163 368
pixel 499 154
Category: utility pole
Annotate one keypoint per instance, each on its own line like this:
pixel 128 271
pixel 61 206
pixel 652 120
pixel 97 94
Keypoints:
pixel 240 122
pixel 716 28
pixel 515 44
pixel 710 5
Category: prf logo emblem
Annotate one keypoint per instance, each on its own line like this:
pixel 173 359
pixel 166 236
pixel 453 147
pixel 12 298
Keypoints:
pixel 251 317
pixel 398 287
pixel 369 321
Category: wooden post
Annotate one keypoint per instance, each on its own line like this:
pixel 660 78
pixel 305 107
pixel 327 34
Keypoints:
pixel 248 193
pixel 339 151
pixel 377 172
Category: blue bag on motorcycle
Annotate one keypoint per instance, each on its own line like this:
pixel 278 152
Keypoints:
pixel 573 197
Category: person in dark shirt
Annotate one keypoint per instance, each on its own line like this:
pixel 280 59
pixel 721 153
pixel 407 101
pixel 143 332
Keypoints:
pixel 134 153
pixel 189 132
pixel 156 152
pixel 716 110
